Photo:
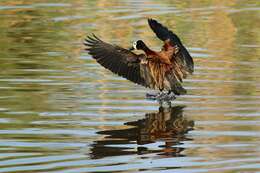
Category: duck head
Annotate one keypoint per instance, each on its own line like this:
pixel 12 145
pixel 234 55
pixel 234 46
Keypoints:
pixel 138 45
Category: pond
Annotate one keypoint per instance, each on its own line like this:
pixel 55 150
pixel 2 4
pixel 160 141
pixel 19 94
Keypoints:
pixel 62 112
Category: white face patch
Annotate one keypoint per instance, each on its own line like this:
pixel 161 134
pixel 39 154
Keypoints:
pixel 134 45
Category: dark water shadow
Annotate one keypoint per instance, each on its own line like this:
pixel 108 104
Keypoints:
pixel 167 125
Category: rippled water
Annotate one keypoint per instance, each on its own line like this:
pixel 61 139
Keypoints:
pixel 62 112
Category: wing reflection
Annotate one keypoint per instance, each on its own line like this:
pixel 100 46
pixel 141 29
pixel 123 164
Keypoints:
pixel 168 125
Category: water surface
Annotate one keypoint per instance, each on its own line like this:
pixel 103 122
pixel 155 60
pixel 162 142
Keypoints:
pixel 62 112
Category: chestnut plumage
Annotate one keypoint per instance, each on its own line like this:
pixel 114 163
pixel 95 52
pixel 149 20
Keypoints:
pixel 163 70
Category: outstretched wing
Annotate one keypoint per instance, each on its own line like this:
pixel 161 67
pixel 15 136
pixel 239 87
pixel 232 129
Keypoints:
pixel 118 60
pixel 164 34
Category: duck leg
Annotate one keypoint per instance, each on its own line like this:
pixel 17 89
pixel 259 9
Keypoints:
pixel 161 96
pixel 171 95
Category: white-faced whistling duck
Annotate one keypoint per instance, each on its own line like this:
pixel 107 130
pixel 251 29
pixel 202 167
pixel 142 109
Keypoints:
pixel 163 70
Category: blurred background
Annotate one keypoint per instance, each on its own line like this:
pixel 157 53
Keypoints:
pixel 60 111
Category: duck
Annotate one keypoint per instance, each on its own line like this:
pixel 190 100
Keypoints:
pixel 162 70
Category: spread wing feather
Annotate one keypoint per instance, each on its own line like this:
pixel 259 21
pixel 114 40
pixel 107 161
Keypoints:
pixel 118 60
pixel 183 57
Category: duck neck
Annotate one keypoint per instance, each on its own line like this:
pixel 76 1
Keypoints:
pixel 147 50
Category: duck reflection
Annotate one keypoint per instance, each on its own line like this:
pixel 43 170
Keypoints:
pixel 168 125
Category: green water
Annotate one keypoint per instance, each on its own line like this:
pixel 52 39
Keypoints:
pixel 62 112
